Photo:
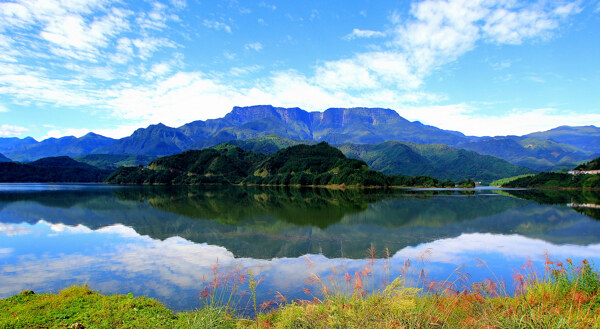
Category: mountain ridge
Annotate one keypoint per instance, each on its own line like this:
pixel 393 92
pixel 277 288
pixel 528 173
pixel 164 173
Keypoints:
pixel 335 125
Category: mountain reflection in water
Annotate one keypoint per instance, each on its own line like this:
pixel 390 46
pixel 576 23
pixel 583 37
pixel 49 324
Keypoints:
pixel 161 241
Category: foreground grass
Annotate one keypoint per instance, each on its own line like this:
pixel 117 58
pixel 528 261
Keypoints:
pixel 80 307
pixel 567 297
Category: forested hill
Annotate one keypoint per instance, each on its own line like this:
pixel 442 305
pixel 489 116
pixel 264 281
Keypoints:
pixel 55 170
pixel 561 180
pixel 306 165
pixel 398 158
pixel 592 165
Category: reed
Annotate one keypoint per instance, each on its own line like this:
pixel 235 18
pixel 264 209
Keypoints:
pixel 564 295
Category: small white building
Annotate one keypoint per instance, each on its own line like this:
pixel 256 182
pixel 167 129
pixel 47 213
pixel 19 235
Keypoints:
pixel 584 172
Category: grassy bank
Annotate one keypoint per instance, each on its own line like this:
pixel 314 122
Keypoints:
pixel 566 296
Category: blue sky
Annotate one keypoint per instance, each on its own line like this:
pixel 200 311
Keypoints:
pixel 483 67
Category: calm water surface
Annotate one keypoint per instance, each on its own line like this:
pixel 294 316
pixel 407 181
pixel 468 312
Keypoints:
pixel 166 242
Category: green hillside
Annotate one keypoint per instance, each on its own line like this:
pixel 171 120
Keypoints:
pixel 530 152
pixel 55 169
pixel 60 162
pixel 592 165
pixel 435 160
pixel 318 164
pixel 224 164
pixel 560 180
pixel 114 161
pixel 398 158
pixel 556 180
pixel 268 144
pixel 306 165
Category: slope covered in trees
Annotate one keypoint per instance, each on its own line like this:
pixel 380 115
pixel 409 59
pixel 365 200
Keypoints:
pixel 55 170
pixel 398 158
pixel 561 180
pixel 592 165
pixel 306 165
pixel 114 161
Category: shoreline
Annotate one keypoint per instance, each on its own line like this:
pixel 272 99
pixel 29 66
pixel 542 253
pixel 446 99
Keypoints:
pixel 568 294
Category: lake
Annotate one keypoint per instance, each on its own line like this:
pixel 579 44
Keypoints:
pixel 169 242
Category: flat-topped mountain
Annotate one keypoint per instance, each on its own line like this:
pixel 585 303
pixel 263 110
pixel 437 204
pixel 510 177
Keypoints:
pixel 562 147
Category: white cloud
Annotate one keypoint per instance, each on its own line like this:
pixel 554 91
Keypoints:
pixel 73 32
pixel 159 70
pixel 187 96
pixel 90 38
pixel 148 45
pixel 13 230
pixel 241 71
pixel 3 109
pixel 12 131
pixel 266 5
pixel 436 32
pixel 357 33
pixel 5 252
pixel 466 247
pixel 179 4
pixel 471 121
pixel 118 131
pixel 256 46
pixel 216 25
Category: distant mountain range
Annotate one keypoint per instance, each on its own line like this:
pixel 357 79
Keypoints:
pixel 4 159
pixel 562 147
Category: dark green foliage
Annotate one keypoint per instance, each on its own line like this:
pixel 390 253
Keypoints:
pixel 592 165
pixel 268 144
pixel 27 173
pixel 318 164
pixel 114 161
pixel 556 180
pixel 435 160
pixel 305 165
pixel 468 183
pixel 420 181
pixel 60 162
pixel 221 165
pixel 398 158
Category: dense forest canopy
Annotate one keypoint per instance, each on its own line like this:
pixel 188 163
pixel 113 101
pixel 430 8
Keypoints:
pixel 306 165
